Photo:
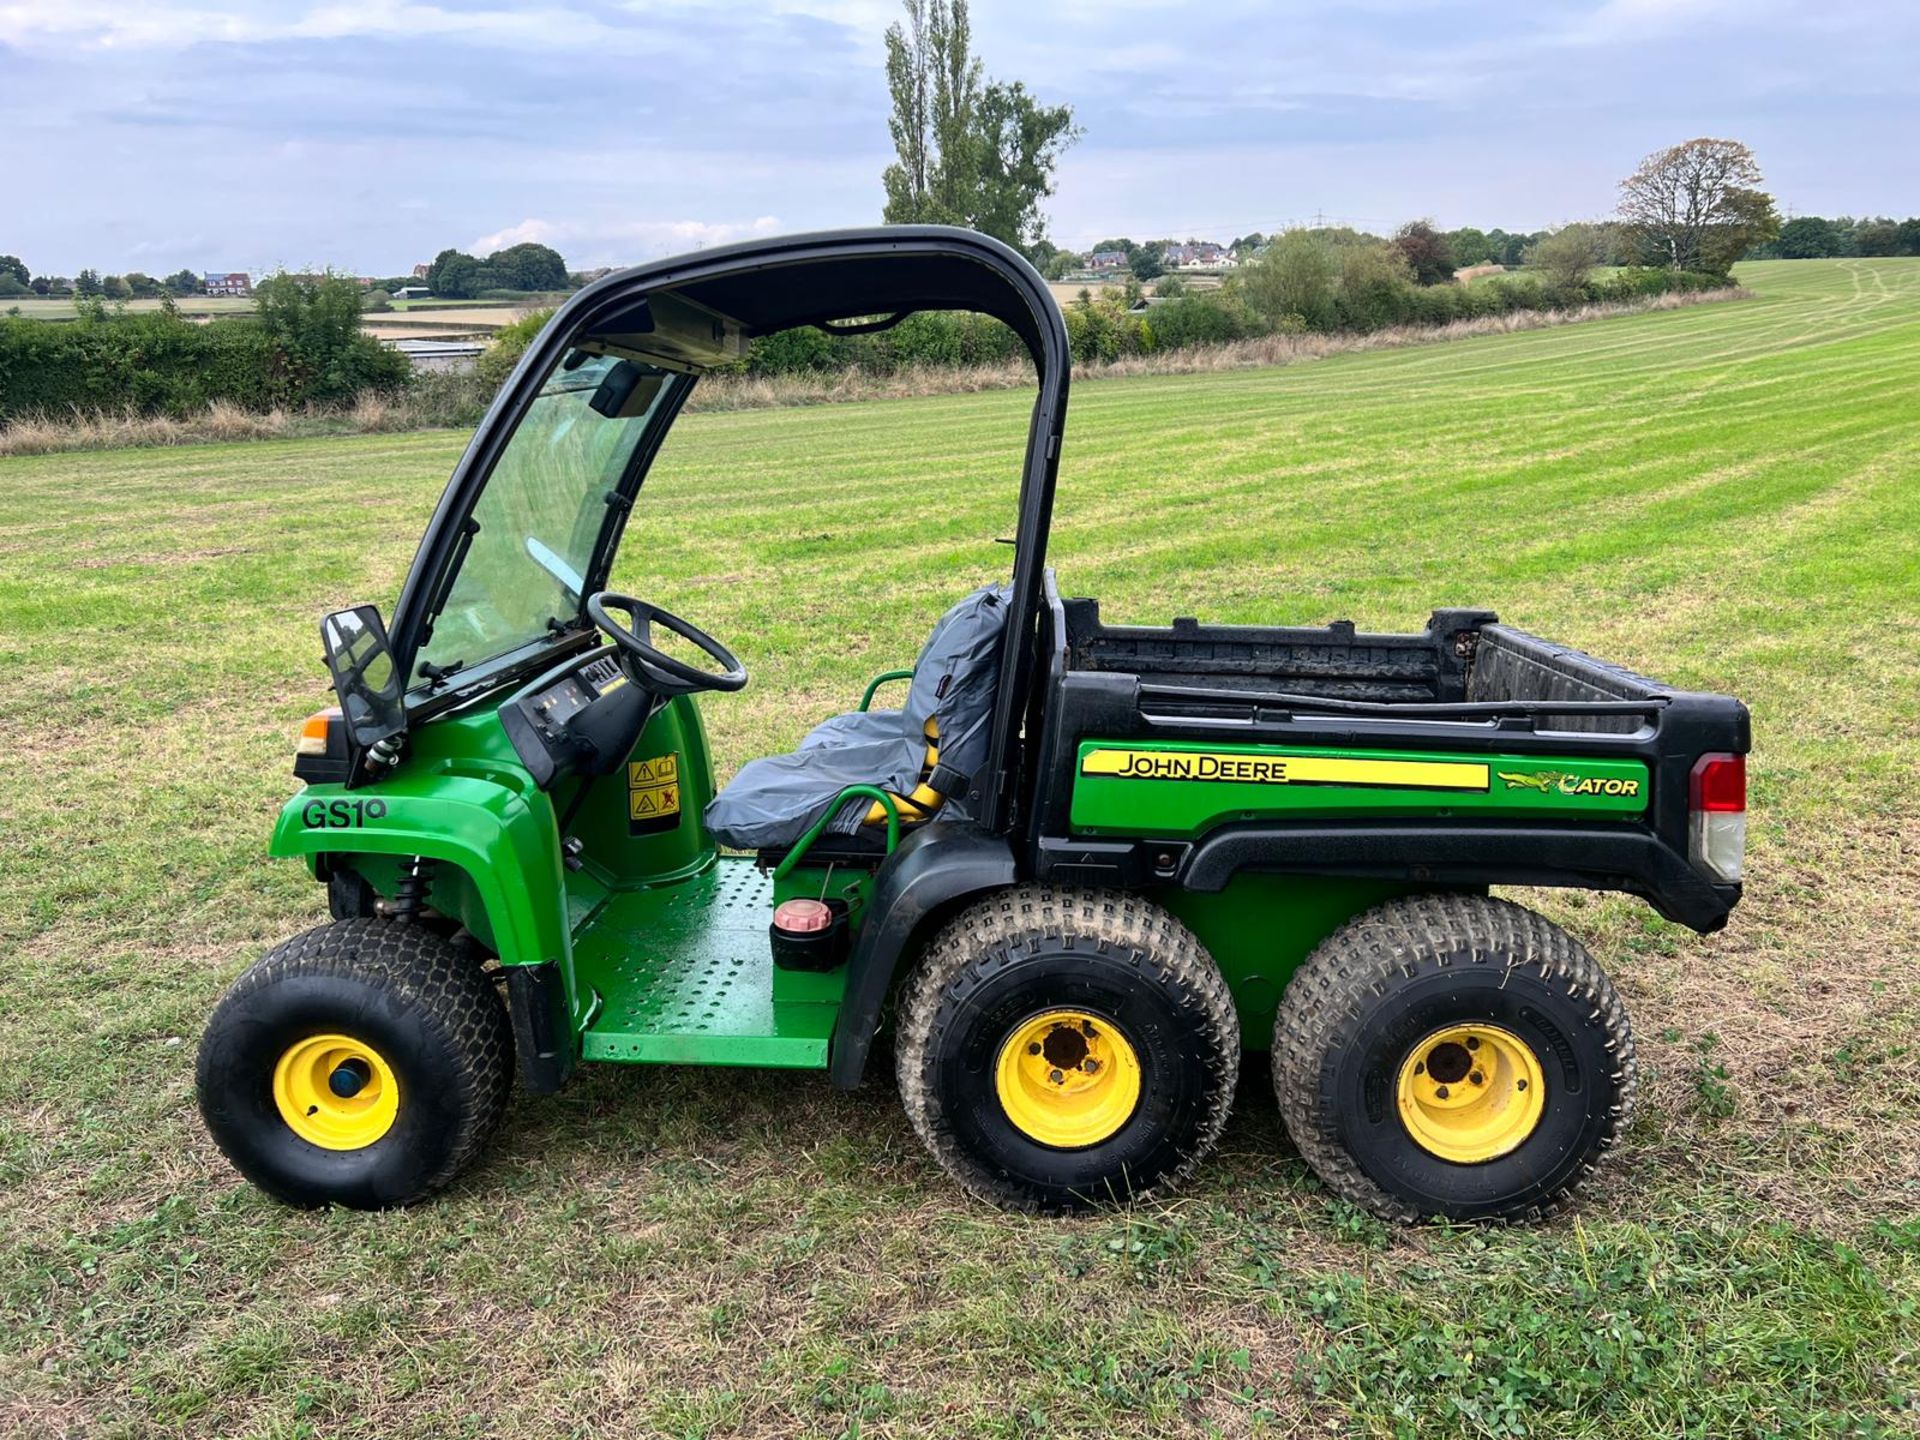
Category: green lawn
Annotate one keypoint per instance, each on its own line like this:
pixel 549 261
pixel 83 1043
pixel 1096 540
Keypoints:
pixel 1727 496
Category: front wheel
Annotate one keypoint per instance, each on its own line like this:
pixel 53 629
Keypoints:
pixel 1059 1049
pixel 363 1063
pixel 1452 1055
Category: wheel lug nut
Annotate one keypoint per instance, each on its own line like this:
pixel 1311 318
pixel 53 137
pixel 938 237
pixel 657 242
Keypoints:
pixel 1473 1042
pixel 1421 1068
pixel 1477 1078
pixel 1056 1077
pixel 1519 1084
pixel 1092 1067
pixel 1033 1049
pixel 1441 1092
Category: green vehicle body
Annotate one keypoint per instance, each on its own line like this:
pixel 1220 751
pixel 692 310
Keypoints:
pixel 631 937
pixel 465 800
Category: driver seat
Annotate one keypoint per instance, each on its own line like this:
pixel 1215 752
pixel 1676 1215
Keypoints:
pixel 923 754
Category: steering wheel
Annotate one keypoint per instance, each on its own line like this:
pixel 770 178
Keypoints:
pixel 655 669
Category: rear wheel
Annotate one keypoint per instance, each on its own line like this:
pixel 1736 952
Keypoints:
pixel 1452 1055
pixel 1059 1049
pixel 363 1063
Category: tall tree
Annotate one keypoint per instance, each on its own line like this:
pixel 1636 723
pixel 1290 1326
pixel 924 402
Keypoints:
pixel 969 151
pixel 454 275
pixel 13 265
pixel 1697 205
pixel 1426 251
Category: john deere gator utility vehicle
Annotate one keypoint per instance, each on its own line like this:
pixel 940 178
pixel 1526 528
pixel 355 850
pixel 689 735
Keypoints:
pixel 1076 873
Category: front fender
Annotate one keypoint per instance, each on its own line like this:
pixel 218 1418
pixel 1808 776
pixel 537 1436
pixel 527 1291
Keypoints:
pixel 504 841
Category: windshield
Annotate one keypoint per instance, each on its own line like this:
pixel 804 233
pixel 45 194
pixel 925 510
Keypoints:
pixel 532 533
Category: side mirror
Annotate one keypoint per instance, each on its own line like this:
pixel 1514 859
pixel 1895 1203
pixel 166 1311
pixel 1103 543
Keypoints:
pixel 372 697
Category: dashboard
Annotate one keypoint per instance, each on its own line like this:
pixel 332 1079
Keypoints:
pixel 581 719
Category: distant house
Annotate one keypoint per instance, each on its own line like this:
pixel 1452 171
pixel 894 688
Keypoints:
pixel 1203 255
pixel 1107 260
pixel 236 285
pixel 420 272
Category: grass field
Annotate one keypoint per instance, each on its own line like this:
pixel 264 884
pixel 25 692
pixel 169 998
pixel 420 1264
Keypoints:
pixel 1725 496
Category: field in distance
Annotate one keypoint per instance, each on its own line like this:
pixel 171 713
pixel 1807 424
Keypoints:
pixel 1724 496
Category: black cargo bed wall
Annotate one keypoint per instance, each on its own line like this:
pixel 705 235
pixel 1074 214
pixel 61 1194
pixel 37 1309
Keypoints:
pixel 1510 664
pixel 1336 662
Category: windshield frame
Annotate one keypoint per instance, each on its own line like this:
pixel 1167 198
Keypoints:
pixel 761 284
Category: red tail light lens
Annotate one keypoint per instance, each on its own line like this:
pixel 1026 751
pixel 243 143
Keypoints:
pixel 1719 784
pixel 1717 828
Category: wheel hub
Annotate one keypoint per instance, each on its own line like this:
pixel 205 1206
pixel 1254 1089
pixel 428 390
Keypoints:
pixel 1471 1093
pixel 1068 1079
pixel 336 1092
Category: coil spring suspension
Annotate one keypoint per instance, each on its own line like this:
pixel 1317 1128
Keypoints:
pixel 410 895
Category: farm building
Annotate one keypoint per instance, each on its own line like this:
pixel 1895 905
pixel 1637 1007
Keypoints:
pixel 236 284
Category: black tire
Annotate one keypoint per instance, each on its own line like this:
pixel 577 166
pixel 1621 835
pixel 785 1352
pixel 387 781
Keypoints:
pixel 1389 980
pixel 429 1012
pixel 1114 957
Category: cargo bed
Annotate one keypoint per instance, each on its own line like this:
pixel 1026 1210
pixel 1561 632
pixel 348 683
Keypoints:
pixel 1523 740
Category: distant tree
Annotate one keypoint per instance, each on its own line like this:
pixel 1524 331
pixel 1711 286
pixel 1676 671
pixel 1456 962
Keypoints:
pixel 1697 205
pixel 1469 246
pixel 1061 264
pixel 1148 262
pixel 142 286
pixel 376 302
pixel 1246 244
pixel 1565 258
pixel 87 282
pixel 183 282
pixel 1170 286
pixel 1125 246
pixel 1295 277
pixel 11 286
pixel 1909 232
pixel 1875 237
pixel 1807 237
pixel 455 275
pixel 115 287
pixel 1425 251
pixel 968 151
pixel 14 266
pixel 1375 285
pixel 527 267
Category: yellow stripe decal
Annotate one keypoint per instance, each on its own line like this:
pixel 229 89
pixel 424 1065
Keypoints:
pixel 1284 769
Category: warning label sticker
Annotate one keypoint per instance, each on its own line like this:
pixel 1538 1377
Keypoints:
pixel 653 794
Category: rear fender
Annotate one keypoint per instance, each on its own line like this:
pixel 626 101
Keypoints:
pixel 939 866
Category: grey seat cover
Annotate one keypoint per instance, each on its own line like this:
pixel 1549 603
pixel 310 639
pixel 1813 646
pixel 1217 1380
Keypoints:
pixel 772 801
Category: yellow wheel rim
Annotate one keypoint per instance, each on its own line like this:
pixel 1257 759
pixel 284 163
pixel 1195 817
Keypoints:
pixel 336 1092
pixel 1068 1079
pixel 1470 1093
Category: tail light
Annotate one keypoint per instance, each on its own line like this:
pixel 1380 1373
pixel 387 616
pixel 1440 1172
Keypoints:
pixel 1717 815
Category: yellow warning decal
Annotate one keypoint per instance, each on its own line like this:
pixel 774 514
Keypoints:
pixel 653 787
pixel 1284 769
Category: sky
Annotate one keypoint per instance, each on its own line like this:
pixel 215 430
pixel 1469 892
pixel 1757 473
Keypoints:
pixel 370 134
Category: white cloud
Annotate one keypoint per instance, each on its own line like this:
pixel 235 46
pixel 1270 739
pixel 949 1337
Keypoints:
pixel 589 241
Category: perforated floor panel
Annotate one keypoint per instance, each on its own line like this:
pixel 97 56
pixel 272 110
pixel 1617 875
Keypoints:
pixel 685 976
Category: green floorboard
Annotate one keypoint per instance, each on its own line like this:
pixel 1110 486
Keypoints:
pixel 685 976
